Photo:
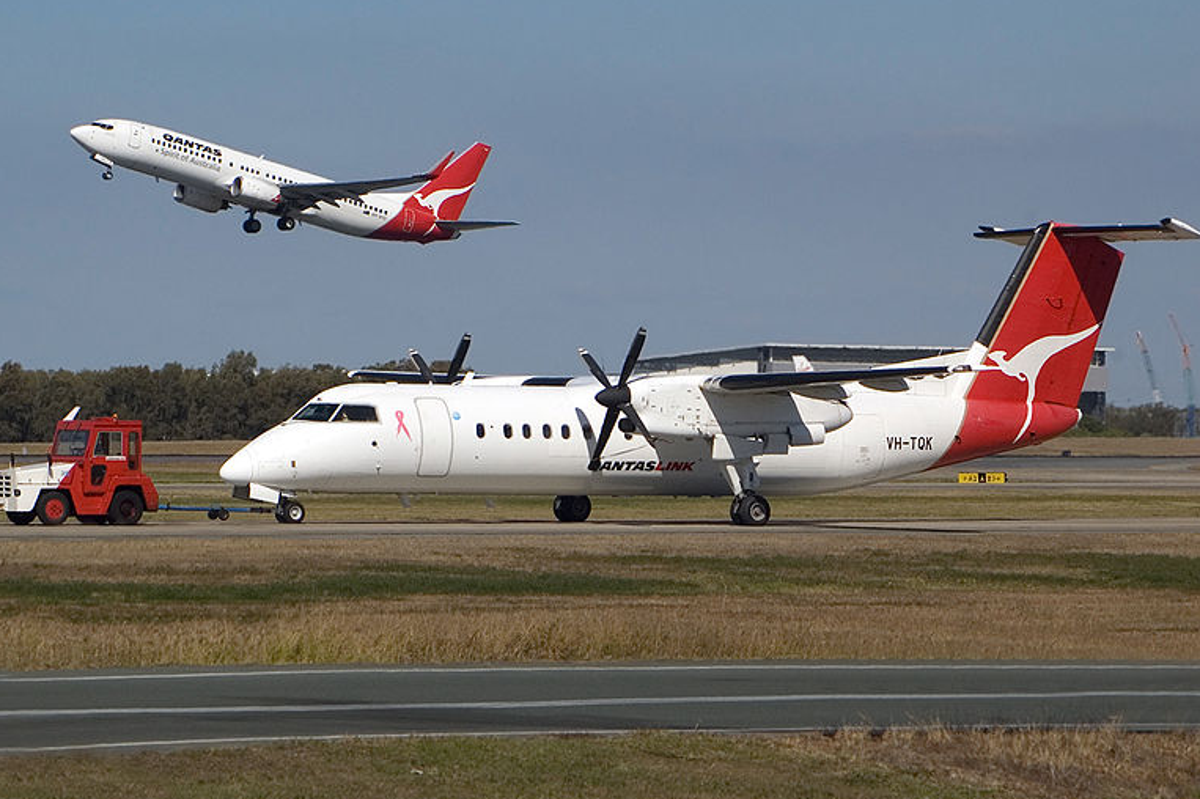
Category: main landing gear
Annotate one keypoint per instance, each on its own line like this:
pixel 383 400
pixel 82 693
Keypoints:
pixel 285 223
pixel 572 509
pixel 289 511
pixel 251 225
pixel 749 508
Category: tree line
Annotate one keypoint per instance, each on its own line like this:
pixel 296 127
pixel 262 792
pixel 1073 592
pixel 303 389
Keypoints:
pixel 235 399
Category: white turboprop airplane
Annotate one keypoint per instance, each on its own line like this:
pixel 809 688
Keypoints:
pixel 788 433
pixel 211 177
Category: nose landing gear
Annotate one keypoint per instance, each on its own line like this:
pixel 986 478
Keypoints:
pixel 106 174
pixel 289 511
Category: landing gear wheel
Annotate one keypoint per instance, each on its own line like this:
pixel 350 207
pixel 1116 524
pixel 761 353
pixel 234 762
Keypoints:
pixel 750 509
pixel 53 507
pixel 252 225
pixel 285 223
pixel 572 509
pixel 289 512
pixel 126 508
pixel 21 517
pixel 106 174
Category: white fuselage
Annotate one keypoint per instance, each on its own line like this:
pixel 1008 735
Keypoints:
pixel 496 435
pixel 208 171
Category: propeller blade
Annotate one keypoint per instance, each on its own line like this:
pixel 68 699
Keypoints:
pixel 632 415
pixel 610 420
pixel 460 355
pixel 597 372
pixel 422 367
pixel 635 351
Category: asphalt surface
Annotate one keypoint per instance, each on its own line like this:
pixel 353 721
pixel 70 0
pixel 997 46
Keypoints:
pixel 67 711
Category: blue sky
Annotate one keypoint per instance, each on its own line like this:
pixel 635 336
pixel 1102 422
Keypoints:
pixel 801 172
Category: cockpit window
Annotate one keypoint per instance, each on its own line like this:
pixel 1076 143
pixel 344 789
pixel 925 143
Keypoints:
pixel 102 125
pixel 356 413
pixel 315 412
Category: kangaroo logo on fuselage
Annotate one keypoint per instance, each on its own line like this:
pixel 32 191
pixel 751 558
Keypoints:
pixel 1029 361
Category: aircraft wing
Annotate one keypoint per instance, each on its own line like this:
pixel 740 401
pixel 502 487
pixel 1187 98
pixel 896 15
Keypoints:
pixel 460 225
pixel 784 382
pixel 397 377
pixel 304 195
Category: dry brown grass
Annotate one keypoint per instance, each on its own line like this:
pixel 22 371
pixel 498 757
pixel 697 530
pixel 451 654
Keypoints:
pixel 872 597
pixel 851 765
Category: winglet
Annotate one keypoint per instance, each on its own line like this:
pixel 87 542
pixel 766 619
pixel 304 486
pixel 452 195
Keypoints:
pixel 440 165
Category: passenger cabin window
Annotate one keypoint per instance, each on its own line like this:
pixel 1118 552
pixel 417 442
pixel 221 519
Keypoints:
pixel 566 431
pixel 356 413
pixel 546 431
pixel 479 431
pixel 508 431
pixel 315 412
pixel 526 431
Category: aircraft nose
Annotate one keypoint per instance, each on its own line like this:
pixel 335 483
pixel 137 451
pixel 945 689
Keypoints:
pixel 80 134
pixel 239 469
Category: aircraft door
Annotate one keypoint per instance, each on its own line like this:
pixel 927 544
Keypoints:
pixel 408 220
pixel 437 438
pixel 135 136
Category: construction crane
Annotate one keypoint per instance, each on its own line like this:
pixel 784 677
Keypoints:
pixel 1189 386
pixel 1156 396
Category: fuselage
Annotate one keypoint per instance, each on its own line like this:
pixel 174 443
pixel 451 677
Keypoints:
pixel 511 435
pixel 211 176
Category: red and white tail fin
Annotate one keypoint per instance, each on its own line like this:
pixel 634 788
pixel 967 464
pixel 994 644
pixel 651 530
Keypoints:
pixel 447 194
pixel 1033 352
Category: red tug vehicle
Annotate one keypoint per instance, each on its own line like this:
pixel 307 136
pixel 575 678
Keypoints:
pixel 93 471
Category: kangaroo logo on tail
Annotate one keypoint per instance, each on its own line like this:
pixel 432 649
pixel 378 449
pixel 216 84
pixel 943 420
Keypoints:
pixel 1027 364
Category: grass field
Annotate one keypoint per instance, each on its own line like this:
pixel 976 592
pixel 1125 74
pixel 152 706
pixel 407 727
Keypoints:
pixel 1101 763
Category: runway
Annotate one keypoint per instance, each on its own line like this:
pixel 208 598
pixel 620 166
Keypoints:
pixel 71 711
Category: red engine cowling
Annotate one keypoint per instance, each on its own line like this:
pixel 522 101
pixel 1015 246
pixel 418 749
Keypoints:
pixel 254 192
pixel 203 200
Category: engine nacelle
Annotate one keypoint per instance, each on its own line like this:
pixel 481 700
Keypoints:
pixel 202 200
pixel 254 192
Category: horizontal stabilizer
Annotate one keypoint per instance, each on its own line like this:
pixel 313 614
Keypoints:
pixel 460 225
pixel 305 195
pixel 782 382
pixel 1167 229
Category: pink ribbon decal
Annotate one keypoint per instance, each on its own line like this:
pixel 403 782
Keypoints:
pixel 400 428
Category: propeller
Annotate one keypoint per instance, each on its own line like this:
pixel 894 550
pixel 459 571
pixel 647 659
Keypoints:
pixel 617 399
pixel 452 370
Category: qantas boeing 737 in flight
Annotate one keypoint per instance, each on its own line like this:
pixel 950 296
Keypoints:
pixel 211 177
pixel 744 435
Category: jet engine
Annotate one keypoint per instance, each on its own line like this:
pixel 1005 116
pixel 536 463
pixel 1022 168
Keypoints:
pixel 203 200
pixel 254 192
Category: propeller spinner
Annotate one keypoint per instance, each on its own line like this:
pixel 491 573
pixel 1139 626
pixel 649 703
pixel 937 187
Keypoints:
pixel 617 399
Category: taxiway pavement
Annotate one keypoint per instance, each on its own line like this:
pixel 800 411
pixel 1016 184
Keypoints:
pixel 65 711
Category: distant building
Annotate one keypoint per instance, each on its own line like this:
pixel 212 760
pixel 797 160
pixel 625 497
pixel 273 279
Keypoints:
pixel 790 357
